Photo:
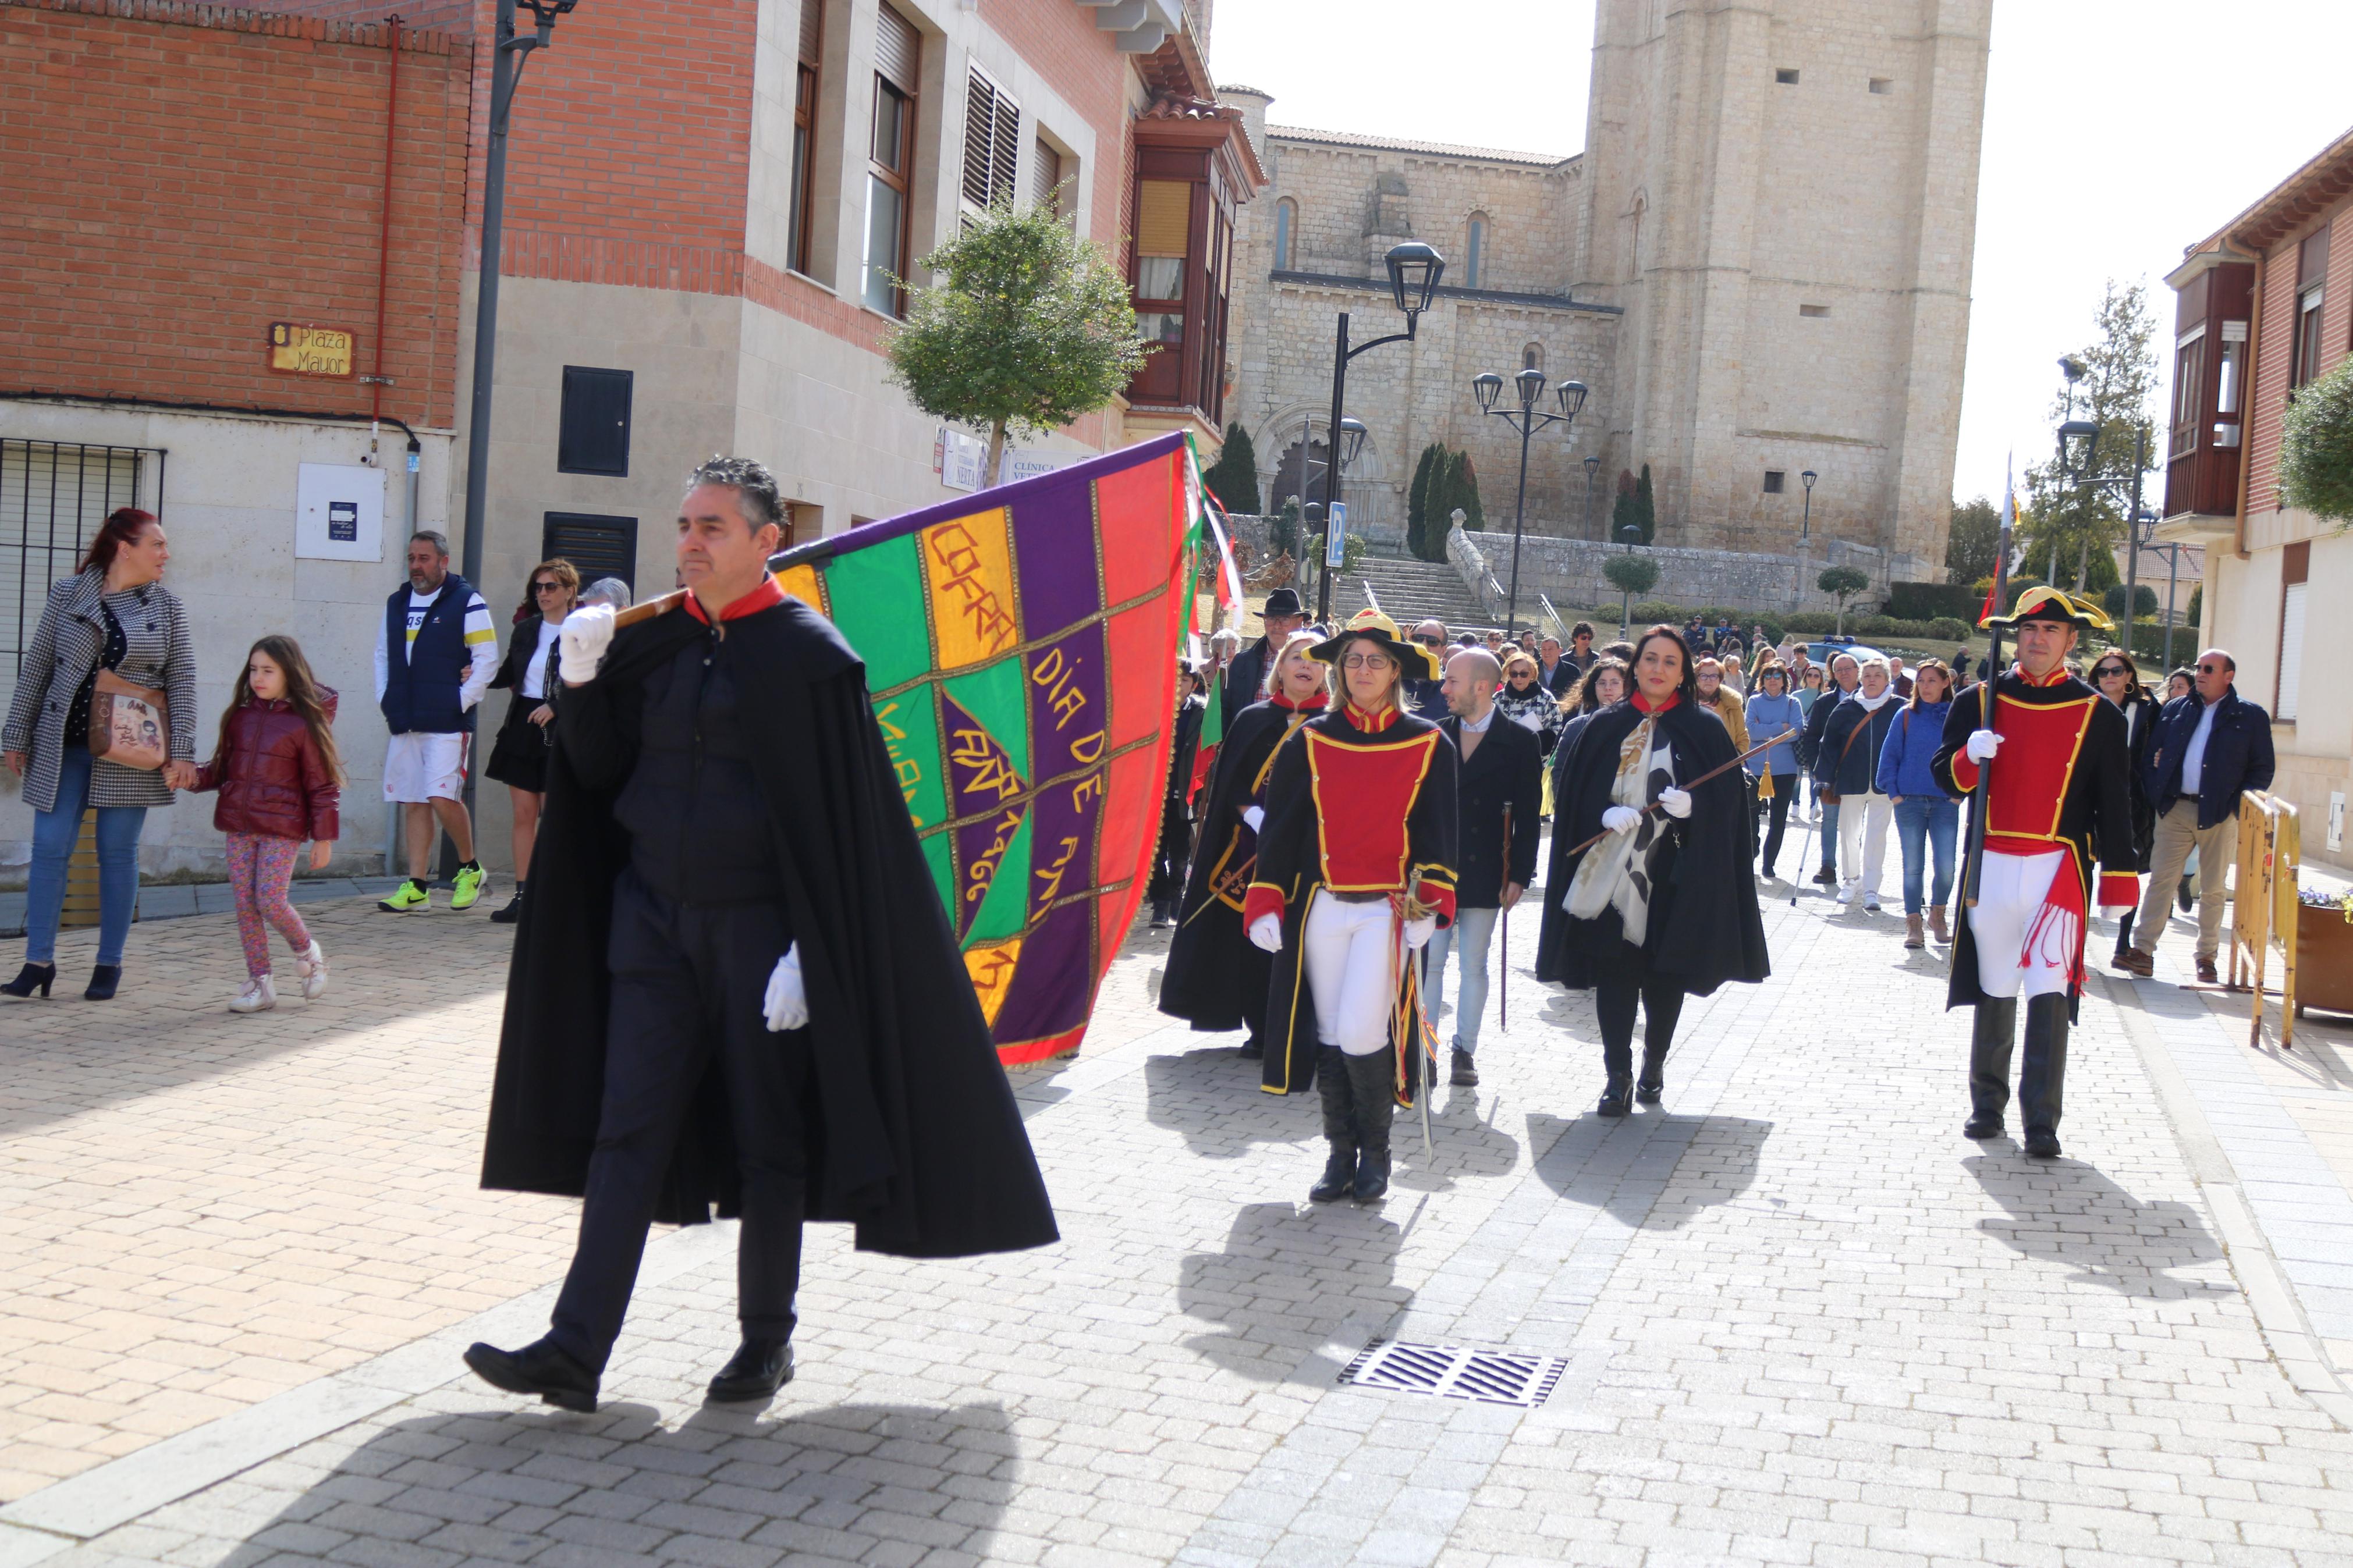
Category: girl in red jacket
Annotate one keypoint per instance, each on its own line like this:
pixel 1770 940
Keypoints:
pixel 279 781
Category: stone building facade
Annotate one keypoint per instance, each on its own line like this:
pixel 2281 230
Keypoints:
pixel 1759 265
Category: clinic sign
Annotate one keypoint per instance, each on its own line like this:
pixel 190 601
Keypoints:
pixel 299 349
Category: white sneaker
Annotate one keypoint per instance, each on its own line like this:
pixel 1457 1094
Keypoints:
pixel 1871 904
pixel 258 996
pixel 1846 892
pixel 313 966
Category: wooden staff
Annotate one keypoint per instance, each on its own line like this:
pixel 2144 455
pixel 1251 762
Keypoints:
pixel 1721 768
pixel 1973 866
pixel 647 609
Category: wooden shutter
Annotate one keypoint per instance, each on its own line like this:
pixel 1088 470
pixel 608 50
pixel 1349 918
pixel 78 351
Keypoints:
pixel 898 49
pixel 1046 178
pixel 1165 222
pixel 992 142
pixel 812 30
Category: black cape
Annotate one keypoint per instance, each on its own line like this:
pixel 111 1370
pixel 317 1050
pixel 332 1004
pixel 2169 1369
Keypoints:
pixel 1214 979
pixel 1711 931
pixel 922 1145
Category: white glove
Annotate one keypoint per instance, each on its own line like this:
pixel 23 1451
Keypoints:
pixel 1418 933
pixel 1982 744
pixel 1266 931
pixel 586 633
pixel 788 1003
pixel 1255 816
pixel 1675 802
pixel 1620 819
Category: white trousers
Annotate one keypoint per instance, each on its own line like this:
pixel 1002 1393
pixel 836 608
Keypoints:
pixel 1862 836
pixel 2011 890
pixel 1347 958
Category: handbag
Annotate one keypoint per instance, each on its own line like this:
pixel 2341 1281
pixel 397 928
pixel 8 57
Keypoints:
pixel 1831 796
pixel 129 726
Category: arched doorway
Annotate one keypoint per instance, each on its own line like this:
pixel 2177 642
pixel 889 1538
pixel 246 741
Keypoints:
pixel 1300 473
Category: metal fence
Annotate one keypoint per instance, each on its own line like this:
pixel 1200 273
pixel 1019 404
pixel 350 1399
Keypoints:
pixel 53 497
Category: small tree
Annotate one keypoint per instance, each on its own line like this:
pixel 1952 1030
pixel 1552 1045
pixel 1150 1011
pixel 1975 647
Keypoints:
pixel 1233 478
pixel 1029 328
pixel 1970 549
pixel 1622 511
pixel 1842 581
pixel 1466 492
pixel 1646 512
pixel 2315 464
pixel 1631 574
pixel 1417 506
pixel 2144 601
pixel 1286 528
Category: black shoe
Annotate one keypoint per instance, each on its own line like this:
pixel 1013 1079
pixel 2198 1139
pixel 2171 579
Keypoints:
pixel 31 978
pixel 1252 1050
pixel 1372 1175
pixel 1613 1099
pixel 103 979
pixel 1982 1128
pixel 1825 878
pixel 1649 1093
pixel 2041 1143
pixel 756 1370
pixel 511 912
pixel 2181 898
pixel 1654 1081
pixel 540 1367
pixel 1339 1176
pixel 1466 1071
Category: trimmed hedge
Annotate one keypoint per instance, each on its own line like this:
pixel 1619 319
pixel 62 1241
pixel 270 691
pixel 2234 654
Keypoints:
pixel 1928 601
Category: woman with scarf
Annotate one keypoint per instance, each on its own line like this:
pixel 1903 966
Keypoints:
pixel 1355 870
pixel 2115 676
pixel 1650 896
pixel 1524 700
pixel 1216 980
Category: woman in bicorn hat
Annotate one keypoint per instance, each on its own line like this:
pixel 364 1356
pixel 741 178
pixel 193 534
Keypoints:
pixel 1355 870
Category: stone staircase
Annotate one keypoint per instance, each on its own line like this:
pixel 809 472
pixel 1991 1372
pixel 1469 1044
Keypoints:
pixel 1410 591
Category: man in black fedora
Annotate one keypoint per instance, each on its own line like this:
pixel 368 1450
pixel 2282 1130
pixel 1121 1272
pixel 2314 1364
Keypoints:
pixel 1246 673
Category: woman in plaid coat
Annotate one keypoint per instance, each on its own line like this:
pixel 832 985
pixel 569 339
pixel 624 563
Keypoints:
pixel 113 613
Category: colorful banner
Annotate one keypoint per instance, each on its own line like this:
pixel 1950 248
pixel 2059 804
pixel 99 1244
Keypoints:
pixel 1020 645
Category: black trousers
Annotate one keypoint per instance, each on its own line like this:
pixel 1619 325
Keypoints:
pixel 1614 998
pixel 1784 788
pixel 1171 854
pixel 690 983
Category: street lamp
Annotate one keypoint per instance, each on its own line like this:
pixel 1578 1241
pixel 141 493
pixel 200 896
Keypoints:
pixel 1352 440
pixel 2079 446
pixel 1527 419
pixel 507 61
pixel 1806 530
pixel 1592 467
pixel 1414 269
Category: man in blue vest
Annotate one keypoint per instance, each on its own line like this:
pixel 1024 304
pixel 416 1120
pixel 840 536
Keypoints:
pixel 435 654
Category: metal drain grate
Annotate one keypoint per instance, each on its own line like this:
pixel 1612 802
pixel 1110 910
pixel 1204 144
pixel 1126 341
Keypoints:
pixel 1449 1371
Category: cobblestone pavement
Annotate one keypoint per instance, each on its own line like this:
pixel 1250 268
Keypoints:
pixel 1799 1319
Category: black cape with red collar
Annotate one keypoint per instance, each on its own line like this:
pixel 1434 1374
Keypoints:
pixel 1709 929
pixel 923 1146
pixel 1300 837
pixel 1216 980
pixel 2063 778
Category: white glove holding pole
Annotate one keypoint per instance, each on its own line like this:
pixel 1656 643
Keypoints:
pixel 1620 819
pixel 1982 744
pixel 586 633
pixel 1266 931
pixel 1255 816
pixel 1417 932
pixel 787 1004
pixel 1675 802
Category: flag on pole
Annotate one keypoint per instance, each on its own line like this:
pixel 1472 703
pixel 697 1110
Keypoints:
pixel 2007 529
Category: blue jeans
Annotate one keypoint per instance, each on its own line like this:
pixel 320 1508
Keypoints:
pixel 1830 810
pixel 1930 824
pixel 1467 938
pixel 54 832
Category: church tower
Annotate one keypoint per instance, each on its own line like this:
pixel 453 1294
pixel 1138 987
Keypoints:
pixel 1782 197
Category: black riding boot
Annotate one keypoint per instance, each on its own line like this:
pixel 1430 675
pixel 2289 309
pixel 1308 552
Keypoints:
pixel 1375 1100
pixel 1339 1127
pixel 1652 1084
pixel 1989 1047
pixel 2043 1075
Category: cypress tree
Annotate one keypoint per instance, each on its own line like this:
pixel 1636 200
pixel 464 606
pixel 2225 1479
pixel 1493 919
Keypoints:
pixel 1233 478
pixel 1417 505
pixel 1646 514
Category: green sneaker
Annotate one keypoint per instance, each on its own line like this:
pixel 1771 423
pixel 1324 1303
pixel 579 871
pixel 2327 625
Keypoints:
pixel 410 895
pixel 468 886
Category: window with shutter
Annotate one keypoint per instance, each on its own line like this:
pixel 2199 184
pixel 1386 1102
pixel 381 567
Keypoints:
pixel 599 547
pixel 889 163
pixel 2312 269
pixel 797 239
pixel 898 49
pixel 1046 178
pixel 992 142
pixel 2290 664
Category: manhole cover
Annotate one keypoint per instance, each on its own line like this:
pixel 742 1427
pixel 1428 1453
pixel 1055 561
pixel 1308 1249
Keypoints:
pixel 1451 1371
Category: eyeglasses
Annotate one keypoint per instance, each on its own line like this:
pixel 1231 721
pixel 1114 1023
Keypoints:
pixel 2105 671
pixel 1432 642
pixel 547 587
pixel 1367 661
pixel 2209 669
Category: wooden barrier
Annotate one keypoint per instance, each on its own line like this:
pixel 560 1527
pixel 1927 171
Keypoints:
pixel 2263 905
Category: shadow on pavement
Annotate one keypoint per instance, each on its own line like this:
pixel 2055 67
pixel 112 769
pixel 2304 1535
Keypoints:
pixel 1286 1279
pixel 2065 1211
pixel 1211 1096
pixel 1650 1169
pixel 832 1484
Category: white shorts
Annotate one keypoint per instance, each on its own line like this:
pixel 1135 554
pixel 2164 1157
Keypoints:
pixel 2017 950
pixel 420 766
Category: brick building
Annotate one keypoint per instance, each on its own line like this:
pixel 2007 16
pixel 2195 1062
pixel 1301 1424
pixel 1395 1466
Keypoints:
pixel 2262 306
pixel 705 205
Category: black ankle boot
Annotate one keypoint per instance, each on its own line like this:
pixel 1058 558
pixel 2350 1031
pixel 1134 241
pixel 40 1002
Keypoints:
pixel 1614 1096
pixel 541 1367
pixel 1339 1177
pixel 757 1369
pixel 1652 1084
pixel 103 979
pixel 1991 1037
pixel 31 978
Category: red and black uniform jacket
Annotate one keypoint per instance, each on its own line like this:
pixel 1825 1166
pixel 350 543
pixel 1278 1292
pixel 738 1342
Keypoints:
pixel 2062 779
pixel 1355 805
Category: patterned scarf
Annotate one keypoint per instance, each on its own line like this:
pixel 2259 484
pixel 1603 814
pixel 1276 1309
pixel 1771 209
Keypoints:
pixel 1617 871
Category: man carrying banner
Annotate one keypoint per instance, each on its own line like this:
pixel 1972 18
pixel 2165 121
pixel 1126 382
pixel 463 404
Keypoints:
pixel 2048 759
pixel 1355 870
pixel 1246 675
pixel 1216 979
pixel 737 986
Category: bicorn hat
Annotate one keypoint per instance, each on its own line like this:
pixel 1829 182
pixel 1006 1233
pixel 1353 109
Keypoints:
pixel 1282 602
pixel 2046 603
pixel 1419 662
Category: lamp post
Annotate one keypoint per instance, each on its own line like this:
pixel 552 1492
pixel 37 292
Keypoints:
pixel 2079 447
pixel 1414 270
pixel 1527 419
pixel 1592 467
pixel 507 60
pixel 1806 529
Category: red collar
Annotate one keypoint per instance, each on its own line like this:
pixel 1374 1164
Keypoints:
pixel 760 598
pixel 1643 703
pixel 1372 723
pixel 1315 699
pixel 2058 674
